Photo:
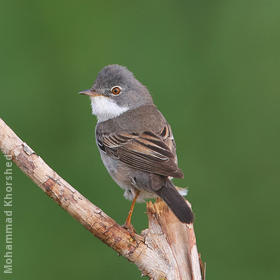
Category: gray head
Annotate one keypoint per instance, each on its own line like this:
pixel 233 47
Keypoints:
pixel 115 91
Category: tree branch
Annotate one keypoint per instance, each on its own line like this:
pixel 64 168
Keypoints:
pixel 166 250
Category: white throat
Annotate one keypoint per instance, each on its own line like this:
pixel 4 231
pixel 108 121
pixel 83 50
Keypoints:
pixel 105 109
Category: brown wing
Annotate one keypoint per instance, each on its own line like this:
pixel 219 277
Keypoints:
pixel 147 152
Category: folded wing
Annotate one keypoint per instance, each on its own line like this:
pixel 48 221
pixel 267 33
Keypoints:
pixel 146 151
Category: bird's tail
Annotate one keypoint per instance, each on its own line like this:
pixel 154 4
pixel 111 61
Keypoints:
pixel 176 202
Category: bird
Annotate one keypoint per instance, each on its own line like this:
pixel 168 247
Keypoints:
pixel 135 141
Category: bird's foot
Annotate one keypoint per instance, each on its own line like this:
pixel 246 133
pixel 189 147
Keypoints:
pixel 129 227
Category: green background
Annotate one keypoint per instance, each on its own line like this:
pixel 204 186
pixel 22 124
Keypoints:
pixel 213 70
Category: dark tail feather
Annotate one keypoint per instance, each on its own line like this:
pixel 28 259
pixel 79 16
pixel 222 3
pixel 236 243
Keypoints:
pixel 176 202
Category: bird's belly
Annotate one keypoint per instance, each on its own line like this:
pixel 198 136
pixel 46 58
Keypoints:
pixel 118 171
pixel 122 175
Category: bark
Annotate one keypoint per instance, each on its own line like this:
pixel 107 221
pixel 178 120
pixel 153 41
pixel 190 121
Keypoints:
pixel 166 250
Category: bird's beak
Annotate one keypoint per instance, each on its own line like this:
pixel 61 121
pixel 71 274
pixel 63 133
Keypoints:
pixel 90 92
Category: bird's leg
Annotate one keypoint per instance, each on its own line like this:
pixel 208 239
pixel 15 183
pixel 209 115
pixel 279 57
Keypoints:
pixel 128 224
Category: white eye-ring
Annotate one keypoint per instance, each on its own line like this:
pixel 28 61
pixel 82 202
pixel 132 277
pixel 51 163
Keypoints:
pixel 116 90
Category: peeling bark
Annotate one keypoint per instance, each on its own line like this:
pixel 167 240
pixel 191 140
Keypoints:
pixel 166 250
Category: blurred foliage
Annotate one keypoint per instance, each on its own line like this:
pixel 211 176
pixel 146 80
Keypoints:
pixel 213 70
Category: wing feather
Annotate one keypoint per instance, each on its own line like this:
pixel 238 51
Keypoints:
pixel 147 152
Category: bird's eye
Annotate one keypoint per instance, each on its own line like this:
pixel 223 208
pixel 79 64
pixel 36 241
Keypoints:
pixel 116 90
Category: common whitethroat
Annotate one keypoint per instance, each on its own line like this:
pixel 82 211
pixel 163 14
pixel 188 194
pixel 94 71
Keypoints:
pixel 135 141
